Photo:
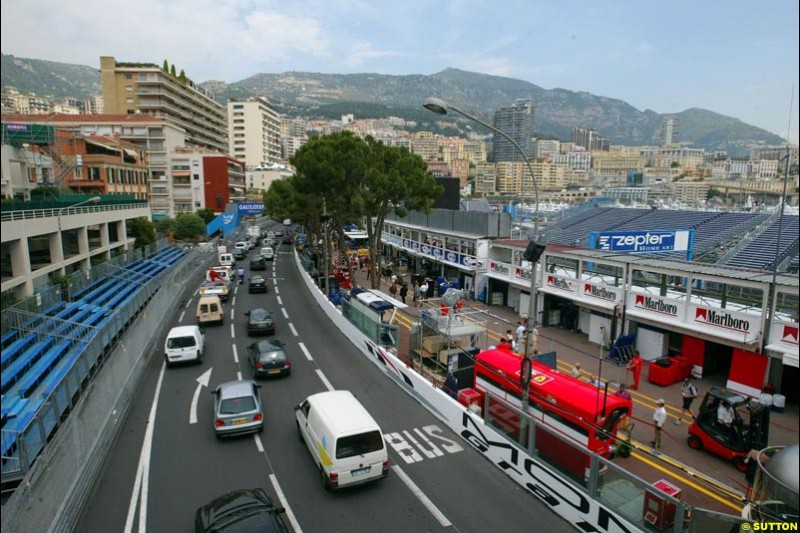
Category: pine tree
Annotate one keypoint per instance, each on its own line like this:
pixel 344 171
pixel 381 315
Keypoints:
pixel 165 66
pixel 172 71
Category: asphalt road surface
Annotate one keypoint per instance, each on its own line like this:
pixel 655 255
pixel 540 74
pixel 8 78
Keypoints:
pixel 160 472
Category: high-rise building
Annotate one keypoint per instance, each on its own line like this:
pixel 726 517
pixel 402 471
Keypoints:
pixel 668 133
pixel 254 131
pixel 590 139
pixel 205 180
pixel 130 88
pixel 516 122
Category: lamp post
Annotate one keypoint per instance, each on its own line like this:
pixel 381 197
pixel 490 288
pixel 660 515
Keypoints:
pixel 532 253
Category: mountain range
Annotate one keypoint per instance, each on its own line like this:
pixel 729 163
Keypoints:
pixel 307 94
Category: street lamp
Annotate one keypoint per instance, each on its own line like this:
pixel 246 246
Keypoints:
pixel 534 250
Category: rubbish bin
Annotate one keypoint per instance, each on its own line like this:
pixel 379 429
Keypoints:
pixel 778 403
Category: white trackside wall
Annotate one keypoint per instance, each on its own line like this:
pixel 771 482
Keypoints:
pixel 564 498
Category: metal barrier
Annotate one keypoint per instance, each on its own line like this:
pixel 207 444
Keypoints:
pixel 59 482
pixel 47 213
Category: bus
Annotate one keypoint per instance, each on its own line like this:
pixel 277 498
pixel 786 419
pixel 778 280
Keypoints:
pixel 572 410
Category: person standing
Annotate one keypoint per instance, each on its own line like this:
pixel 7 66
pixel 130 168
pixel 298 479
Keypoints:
pixel 688 393
pixel 393 290
pixel 576 371
pixel 622 392
pixel 417 293
pixel 511 340
pixel 635 366
pixel 520 331
pixel 423 291
pixel 659 419
pixel 403 292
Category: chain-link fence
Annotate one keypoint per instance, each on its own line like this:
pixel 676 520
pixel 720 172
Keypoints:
pixel 55 489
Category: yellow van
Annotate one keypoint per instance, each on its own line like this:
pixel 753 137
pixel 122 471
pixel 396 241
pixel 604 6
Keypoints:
pixel 209 309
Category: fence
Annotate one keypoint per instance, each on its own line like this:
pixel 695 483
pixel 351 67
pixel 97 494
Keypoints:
pixel 58 484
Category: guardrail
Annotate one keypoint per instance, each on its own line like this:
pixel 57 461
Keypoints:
pixel 28 214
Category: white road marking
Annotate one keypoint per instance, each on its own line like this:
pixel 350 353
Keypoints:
pixel 233 333
pixel 188 303
pixel 285 504
pixel 428 453
pixel 235 289
pixel 305 351
pixel 276 288
pixel 235 354
pixel 416 491
pixel 196 291
pixel 285 314
pixel 202 381
pixel 258 443
pixel 280 302
pixel 239 376
pixel 234 301
pixel 294 331
pixel 231 315
pixel 324 380
pixel 141 485
pixel 181 318
pixel 403 448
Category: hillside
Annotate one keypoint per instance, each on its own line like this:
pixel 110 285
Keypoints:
pixel 378 96
pixel 48 78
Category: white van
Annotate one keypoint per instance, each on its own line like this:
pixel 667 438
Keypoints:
pixel 184 343
pixel 226 260
pixel 267 253
pixel 241 245
pixel 343 439
pixel 209 309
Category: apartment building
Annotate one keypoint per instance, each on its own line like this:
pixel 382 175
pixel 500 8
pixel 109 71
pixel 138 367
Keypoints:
pixel 106 165
pixel 131 88
pixel 485 178
pixel 516 122
pixel 687 159
pixel 204 179
pixel 545 147
pixel 259 180
pixel 616 163
pixel 474 151
pixel 509 177
pixel 156 136
pixel 425 146
pixel 459 168
pixel 290 145
pixel 254 128
pixel 576 160
pixel 689 192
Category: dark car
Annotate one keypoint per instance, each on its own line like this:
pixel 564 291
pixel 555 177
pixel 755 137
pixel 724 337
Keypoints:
pixel 257 262
pixel 240 511
pixel 287 239
pixel 257 284
pixel 239 254
pixel 269 358
pixel 259 322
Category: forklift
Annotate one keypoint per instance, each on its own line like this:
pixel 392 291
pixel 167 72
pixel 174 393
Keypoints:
pixel 733 442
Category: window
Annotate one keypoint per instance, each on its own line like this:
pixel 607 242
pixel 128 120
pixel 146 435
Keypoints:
pixel 238 106
pixel 129 88
pixel 196 177
pixel 359 444
pixel 128 76
pixel 129 100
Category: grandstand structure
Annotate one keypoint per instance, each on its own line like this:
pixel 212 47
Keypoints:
pixel 50 355
pixel 745 240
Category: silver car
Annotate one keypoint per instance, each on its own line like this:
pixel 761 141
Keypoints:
pixel 237 408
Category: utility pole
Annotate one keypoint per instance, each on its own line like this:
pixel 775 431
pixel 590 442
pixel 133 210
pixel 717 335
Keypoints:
pixel 326 259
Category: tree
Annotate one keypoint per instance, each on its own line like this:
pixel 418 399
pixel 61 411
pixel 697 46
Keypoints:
pixel 165 226
pixel 189 226
pixel 172 71
pixel 206 214
pixel 142 230
pixel 357 178
pixel 165 66
pixel 182 77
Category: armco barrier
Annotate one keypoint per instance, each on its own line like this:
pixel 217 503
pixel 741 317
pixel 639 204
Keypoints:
pixel 564 498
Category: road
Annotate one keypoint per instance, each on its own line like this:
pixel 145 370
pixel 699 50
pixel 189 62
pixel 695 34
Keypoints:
pixel 162 468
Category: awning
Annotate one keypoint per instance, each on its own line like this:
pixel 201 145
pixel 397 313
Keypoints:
pixel 684 328
pixel 101 145
pixel 598 305
pixel 790 356
pixel 131 152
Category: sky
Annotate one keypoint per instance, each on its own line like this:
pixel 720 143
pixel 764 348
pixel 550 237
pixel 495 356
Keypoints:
pixel 733 57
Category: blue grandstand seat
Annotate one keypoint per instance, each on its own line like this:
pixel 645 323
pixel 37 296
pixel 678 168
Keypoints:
pixel 39 371
pixel 16 348
pixel 11 374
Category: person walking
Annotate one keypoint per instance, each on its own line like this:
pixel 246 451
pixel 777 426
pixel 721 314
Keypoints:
pixel 403 292
pixel 416 294
pixel 393 290
pixel 520 331
pixel 635 366
pixel 511 340
pixel 659 419
pixel 688 393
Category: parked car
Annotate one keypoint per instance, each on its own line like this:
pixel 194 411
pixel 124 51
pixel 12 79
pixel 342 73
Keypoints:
pixel 259 321
pixel 257 284
pixel 240 510
pixel 237 408
pixel 269 358
pixel 258 263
